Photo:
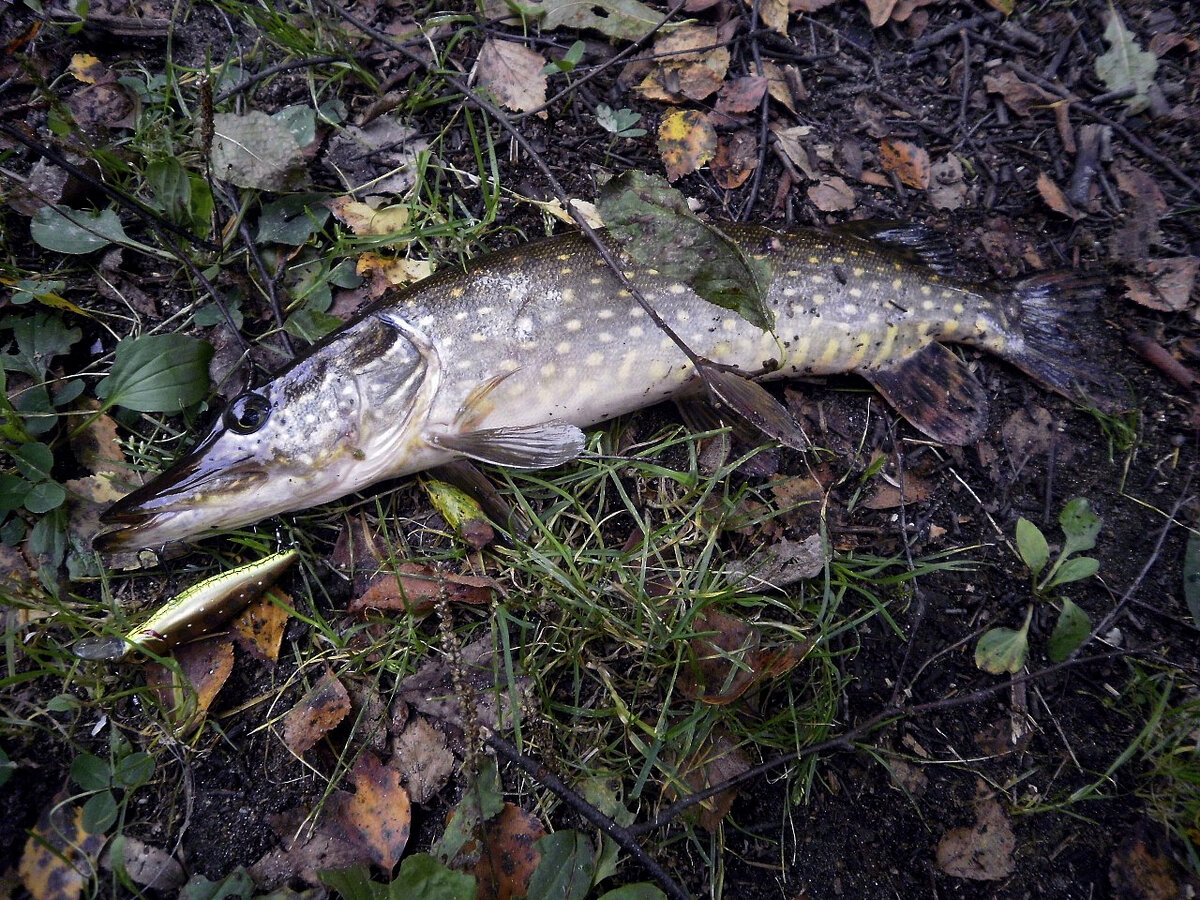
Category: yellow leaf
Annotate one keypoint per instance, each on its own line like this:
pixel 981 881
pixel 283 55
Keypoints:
pixel 686 141
pixel 87 68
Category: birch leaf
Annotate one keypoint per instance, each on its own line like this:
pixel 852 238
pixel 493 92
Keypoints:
pixel 1126 65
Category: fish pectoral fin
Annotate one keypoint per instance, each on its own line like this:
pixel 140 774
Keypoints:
pixel 936 393
pixel 751 402
pixel 539 446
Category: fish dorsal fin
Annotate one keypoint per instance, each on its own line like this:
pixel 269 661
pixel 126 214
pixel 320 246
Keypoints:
pixel 751 401
pixel 936 393
pixel 539 446
pixel 915 243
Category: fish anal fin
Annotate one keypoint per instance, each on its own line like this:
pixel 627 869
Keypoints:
pixel 754 404
pixel 936 393
pixel 540 446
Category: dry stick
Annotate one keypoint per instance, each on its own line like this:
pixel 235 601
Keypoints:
pixel 887 715
pixel 756 178
pixel 1130 138
pixel 623 836
pixel 53 156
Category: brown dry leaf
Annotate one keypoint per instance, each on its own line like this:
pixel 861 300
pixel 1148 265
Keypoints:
pixel 97 447
pixel 148 866
pixel 690 63
pixel 1169 285
pixel 718 759
pixel 791 142
pixel 1164 42
pixel 359 552
pixel 880 10
pixel 904 9
pixel 908 777
pixel 907 160
pixel 982 852
pixel 1028 432
pixel 1142 868
pixel 947 189
pixel 431 690
pixel 886 495
pixel 742 95
pixel 423 759
pixel 59 856
pixel 809 6
pixel 1021 97
pixel 736 159
pixel 318 713
pixel 728 660
pixel 686 141
pixel 206 666
pixel 513 73
pixel 107 105
pixel 832 195
pixel 779 86
pixel 509 856
pixel 376 817
pixel 1055 198
pixel 303 853
pixel 259 629
pixel 415 589
pixel 774 14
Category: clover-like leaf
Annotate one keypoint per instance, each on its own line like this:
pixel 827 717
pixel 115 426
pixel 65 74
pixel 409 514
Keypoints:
pixel 1032 546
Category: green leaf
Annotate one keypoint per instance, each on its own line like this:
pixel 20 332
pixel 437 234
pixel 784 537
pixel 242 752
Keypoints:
pixel 91 772
pixel 1191 576
pixel 49 536
pixel 1071 630
pixel 1002 650
pixel 652 223
pixel 310 324
pixel 134 770
pixel 1032 546
pixel 157 373
pixel 100 812
pixel 44 497
pixel 72 231
pixel 40 338
pixel 643 890
pixel 354 883
pixel 566 868
pixel 7 766
pixel 13 489
pixel 291 220
pixel 172 188
pixel 628 20
pixel 1126 65
pixel 1080 526
pixel 480 802
pixel 34 461
pixel 423 876
pixel 1076 568
pixel 237 883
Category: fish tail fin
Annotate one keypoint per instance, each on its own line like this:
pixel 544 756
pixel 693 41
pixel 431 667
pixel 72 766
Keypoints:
pixel 1055 315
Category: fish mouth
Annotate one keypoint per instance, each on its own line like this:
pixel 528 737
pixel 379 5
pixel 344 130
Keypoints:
pixel 198 494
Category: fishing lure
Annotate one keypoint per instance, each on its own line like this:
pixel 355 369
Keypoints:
pixel 193 612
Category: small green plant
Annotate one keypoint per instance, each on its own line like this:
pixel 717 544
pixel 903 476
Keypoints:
pixel 1003 650
pixel 110 783
pixel 620 123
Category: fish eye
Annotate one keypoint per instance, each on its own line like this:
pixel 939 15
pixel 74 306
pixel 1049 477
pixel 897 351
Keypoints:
pixel 247 413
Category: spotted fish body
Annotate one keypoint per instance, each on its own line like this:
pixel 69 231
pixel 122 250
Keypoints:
pixel 506 361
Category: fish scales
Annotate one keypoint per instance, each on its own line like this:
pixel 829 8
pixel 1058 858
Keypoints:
pixel 505 362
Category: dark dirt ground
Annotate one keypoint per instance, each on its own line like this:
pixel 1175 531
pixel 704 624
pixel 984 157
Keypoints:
pixel 860 835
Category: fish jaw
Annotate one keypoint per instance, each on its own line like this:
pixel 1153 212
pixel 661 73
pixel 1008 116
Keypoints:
pixel 341 417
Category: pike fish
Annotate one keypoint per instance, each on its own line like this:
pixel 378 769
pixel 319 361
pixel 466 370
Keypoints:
pixel 507 360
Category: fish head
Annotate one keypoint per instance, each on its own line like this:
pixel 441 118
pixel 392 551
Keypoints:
pixel 343 415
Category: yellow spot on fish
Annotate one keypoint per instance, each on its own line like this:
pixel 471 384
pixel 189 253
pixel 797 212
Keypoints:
pixel 648 272
pixel 478 337
pixel 456 292
pixel 548 369
pixel 839 259
pixel 818 299
pixel 595 279
pixel 873 318
pixel 926 290
pixel 958 308
pixel 860 350
pixel 604 314
pixel 683 316
pixel 819 279
pixel 636 312
pixel 814 260
pixel 565 270
pixel 855 292
pixel 604 337
pixel 594 358
pixel 792 273
pixel 563 348
pixel 981 325
pixel 568 295
pixel 927 304
pixel 660 368
pixel 885 347
pixel 830 353
pixel 677 289
pixel 849 309
pixel 950 326
pixel 484 311
pixel 460 315
pixel 636 331
pixel 573 324
pixel 729 324
pixel 897 284
pixel 790 292
pixel 623 293
pixel 899 267
pixel 859 271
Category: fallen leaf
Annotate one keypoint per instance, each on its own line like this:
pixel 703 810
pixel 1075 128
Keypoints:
pixel 508 855
pixel 1168 287
pixel 690 64
pixel 206 666
pixel 513 73
pixel 304 852
pixel 1028 433
pixel 415 589
pixel 378 158
pixel 316 714
pixel 741 95
pixel 146 865
pixel 1021 97
pixel 947 189
pixel 626 20
pixel 885 495
pixel 907 160
pixel 423 759
pixel 718 759
pixel 1163 43
pixel 366 220
pixel 376 817
pixel 773 13
pixel 783 563
pixel 259 629
pixel 256 150
pixel 59 856
pixel 1142 868
pixel 686 141
pixel 832 195
pixel 791 142
pixel 97 447
pixel 779 86
pixel 908 777
pixel 982 852
pixel 105 105
pixel 727 660
pixel 735 160
pixel 1125 65
pixel 880 11
pixel 88 69
pixel 809 6
pixel 432 689
pixel 1055 198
